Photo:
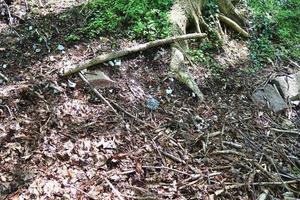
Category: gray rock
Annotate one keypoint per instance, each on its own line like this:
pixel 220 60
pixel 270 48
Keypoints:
pixel 289 86
pixel 99 79
pixel 152 103
pixel 269 97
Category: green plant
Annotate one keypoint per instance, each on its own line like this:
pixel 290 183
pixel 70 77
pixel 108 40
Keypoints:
pixel 136 18
pixel 203 56
pixel 275 27
pixel 72 38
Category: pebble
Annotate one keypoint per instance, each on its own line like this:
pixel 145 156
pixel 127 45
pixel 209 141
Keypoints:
pixel 152 103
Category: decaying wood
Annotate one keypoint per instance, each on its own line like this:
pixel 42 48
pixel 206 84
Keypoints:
pixel 142 47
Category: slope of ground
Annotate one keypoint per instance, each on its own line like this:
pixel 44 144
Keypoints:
pixel 59 141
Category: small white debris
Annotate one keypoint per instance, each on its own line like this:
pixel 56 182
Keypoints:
pixel 71 84
pixel 111 63
pixel 169 91
pixel 118 62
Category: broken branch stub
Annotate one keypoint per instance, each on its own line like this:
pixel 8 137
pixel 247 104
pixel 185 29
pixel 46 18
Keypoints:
pixel 142 47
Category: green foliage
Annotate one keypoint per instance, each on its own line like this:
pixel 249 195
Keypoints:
pixel 72 38
pixel 136 18
pixel 203 55
pixel 276 30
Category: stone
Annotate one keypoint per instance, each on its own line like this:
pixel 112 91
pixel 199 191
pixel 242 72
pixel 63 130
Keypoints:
pixel 152 103
pixel 289 86
pixel 99 79
pixel 269 97
pixel 60 47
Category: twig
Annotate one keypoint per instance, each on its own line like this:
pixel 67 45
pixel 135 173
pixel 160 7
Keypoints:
pixel 115 104
pixel 98 93
pixel 142 47
pixel 172 157
pixel 286 131
pixel 8 12
pixel 4 77
pixel 159 152
pixel 228 152
pixel 83 192
pixel 141 198
pixel 235 186
pixel 235 145
pixel 8 109
pixel 132 116
pixel 116 192
pixel 167 168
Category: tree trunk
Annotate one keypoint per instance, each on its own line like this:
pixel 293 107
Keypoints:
pixel 185 13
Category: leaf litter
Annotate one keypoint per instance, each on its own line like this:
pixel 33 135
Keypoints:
pixel 60 142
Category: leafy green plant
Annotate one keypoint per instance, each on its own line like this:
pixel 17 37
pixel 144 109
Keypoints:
pixel 275 30
pixel 136 18
pixel 72 38
pixel 203 56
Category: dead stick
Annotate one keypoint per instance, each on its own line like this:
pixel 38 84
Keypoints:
pixel 132 116
pixel 141 47
pixel 9 14
pixel 119 195
pixel 286 131
pixel 235 186
pixel 98 93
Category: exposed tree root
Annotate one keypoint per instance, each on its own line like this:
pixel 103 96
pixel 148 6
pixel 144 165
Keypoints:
pixel 233 25
pixel 187 13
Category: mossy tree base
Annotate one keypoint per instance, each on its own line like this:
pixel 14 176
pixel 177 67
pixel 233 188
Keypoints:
pixel 187 13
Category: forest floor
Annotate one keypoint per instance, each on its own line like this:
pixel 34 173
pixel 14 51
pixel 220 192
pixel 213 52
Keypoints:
pixel 59 141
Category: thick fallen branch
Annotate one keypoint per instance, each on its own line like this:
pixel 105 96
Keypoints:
pixel 142 47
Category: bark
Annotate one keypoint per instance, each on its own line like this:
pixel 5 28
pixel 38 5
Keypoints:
pixel 142 47
pixel 233 25
pixel 185 13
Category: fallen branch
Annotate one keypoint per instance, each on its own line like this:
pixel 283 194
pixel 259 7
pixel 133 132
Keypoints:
pixel 142 47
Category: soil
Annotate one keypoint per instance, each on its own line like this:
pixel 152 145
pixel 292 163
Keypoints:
pixel 63 142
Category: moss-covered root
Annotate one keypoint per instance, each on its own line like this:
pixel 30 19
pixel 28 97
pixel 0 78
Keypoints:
pixel 179 19
pixel 178 70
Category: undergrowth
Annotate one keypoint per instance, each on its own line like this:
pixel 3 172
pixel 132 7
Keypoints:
pixel 133 18
pixel 276 32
